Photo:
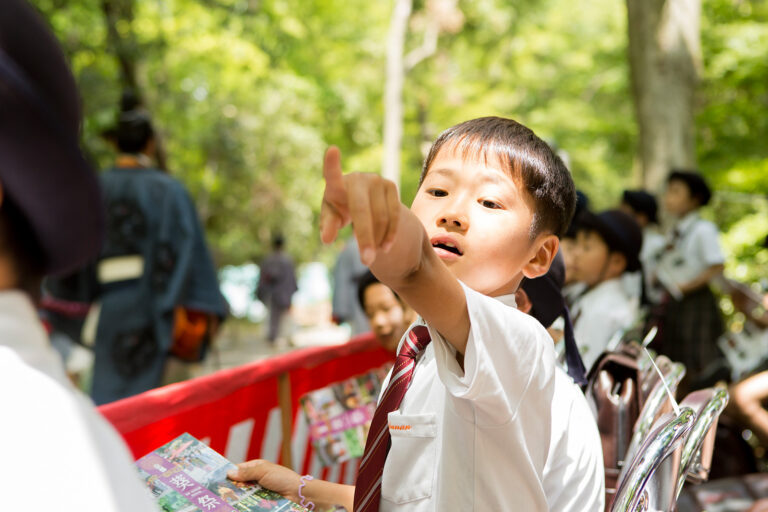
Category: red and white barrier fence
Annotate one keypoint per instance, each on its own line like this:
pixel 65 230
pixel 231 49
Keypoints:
pixel 248 412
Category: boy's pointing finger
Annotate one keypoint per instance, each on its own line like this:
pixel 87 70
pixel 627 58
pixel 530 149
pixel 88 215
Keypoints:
pixel 332 168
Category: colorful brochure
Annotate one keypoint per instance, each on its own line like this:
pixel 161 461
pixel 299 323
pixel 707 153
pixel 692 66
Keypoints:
pixel 185 475
pixel 340 415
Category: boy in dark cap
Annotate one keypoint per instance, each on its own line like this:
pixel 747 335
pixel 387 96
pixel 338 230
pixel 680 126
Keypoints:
pixel 608 248
pixel 691 259
pixel 50 222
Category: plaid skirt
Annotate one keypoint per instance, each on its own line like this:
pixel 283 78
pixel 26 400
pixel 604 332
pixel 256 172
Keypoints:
pixel 688 333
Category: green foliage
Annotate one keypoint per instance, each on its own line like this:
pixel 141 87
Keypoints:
pixel 248 93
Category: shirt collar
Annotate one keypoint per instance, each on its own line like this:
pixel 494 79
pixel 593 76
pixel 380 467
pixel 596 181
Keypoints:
pixel 507 300
pixel 22 332
pixel 688 219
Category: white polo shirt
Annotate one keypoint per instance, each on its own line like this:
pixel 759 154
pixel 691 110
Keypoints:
pixel 53 442
pixel 497 435
pixel 599 314
pixel 695 248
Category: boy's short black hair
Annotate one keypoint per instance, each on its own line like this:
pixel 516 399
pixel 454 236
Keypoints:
pixel 695 183
pixel 366 280
pixel 642 202
pixel 529 159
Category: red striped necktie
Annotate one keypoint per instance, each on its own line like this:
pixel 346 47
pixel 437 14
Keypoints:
pixel 368 485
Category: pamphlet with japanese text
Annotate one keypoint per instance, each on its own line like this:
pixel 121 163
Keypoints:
pixel 340 415
pixel 185 475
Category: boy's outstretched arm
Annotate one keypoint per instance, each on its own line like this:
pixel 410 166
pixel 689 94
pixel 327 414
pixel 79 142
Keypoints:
pixel 394 244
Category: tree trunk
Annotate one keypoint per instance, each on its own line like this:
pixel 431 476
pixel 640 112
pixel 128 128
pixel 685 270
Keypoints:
pixel 125 50
pixel 393 91
pixel 664 59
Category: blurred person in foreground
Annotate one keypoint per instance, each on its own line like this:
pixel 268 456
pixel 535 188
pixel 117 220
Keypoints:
pixel 389 316
pixel 50 223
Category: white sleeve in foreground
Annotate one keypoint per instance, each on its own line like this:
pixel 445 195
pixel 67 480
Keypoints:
pixel 507 354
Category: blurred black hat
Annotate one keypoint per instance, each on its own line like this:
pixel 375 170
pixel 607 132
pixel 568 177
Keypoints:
pixel 642 202
pixel 620 232
pixel 695 183
pixel 42 170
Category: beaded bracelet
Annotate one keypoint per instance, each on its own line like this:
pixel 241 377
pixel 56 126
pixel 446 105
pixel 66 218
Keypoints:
pixel 304 502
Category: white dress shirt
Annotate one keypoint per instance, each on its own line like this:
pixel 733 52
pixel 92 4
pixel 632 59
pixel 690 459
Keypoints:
pixel 505 433
pixel 53 443
pixel 695 248
pixel 600 314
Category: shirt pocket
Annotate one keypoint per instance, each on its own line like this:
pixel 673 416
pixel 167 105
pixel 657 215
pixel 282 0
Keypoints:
pixel 409 470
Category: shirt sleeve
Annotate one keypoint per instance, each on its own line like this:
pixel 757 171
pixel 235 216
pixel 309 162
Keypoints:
pixel 707 244
pixel 508 355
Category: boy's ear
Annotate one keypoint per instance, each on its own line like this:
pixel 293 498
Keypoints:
pixel 617 264
pixel 545 251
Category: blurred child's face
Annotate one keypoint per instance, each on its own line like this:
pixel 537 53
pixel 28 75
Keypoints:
pixel 590 258
pixel 387 315
pixel 478 220
pixel 678 200
pixel 593 260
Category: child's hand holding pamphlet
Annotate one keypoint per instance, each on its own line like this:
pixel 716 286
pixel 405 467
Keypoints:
pixel 185 475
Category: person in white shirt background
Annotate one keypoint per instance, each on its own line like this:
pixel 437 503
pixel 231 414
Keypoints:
pixel 475 427
pixel 644 208
pixel 607 248
pixel 50 222
pixel 691 320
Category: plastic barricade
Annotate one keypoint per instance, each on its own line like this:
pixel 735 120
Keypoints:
pixel 247 412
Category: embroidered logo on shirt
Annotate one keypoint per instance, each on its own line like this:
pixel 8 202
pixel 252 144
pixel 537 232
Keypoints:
pixel 399 427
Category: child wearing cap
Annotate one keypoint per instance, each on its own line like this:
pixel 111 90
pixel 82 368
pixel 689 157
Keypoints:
pixel 692 258
pixel 608 248
pixel 466 418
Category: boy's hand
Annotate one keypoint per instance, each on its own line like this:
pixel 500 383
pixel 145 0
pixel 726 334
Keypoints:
pixel 267 474
pixel 368 201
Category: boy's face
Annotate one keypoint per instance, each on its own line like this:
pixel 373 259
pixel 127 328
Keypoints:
pixel 389 319
pixel 478 220
pixel 677 199
pixel 590 258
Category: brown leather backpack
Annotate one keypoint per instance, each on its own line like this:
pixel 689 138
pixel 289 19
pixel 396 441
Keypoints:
pixel 615 391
